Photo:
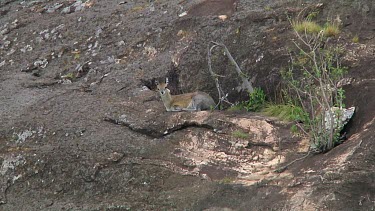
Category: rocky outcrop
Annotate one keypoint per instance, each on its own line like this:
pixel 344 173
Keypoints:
pixel 81 128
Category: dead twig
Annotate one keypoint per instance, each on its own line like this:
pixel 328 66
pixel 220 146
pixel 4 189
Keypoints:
pixel 219 90
pixel 247 84
pixel 245 81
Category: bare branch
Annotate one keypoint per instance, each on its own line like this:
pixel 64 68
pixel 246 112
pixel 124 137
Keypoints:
pixel 245 81
pixel 213 74
pixel 242 75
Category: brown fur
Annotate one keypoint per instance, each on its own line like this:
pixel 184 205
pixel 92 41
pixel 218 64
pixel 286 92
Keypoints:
pixel 194 101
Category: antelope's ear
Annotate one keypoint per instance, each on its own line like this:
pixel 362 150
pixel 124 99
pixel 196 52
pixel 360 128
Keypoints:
pixel 166 81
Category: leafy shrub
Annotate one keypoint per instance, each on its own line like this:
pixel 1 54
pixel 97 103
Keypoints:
pixel 312 81
pixel 256 101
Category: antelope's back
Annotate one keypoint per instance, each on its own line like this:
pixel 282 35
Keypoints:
pixel 183 100
pixel 203 101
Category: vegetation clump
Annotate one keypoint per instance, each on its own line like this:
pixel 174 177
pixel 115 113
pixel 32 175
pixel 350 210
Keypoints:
pixel 312 28
pixel 255 103
pixel 69 76
pixel 240 134
pixel 306 26
pixel 355 39
pixel 312 82
pixel 315 99
pixel 286 112
pixel 331 30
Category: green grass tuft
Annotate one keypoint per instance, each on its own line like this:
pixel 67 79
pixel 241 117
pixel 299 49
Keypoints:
pixel 286 112
pixel 237 107
pixel 226 180
pixel 69 76
pixel 240 134
pixel 355 39
pixel 267 8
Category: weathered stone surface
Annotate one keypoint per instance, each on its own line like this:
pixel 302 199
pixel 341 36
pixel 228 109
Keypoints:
pixel 95 66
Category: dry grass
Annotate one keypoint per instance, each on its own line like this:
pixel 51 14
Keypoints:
pixel 331 30
pixel 355 39
pixel 309 27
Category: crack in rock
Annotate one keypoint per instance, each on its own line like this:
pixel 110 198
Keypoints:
pixel 158 134
pixel 144 131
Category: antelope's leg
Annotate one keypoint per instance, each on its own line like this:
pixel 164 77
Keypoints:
pixel 176 109
pixel 189 109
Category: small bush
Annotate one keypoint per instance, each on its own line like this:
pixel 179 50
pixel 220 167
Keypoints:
pixel 307 26
pixel 257 100
pixel 312 80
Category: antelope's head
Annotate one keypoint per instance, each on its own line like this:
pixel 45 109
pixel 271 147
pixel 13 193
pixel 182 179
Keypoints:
pixel 162 87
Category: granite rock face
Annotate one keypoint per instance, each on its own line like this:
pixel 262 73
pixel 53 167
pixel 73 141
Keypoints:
pixel 81 127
